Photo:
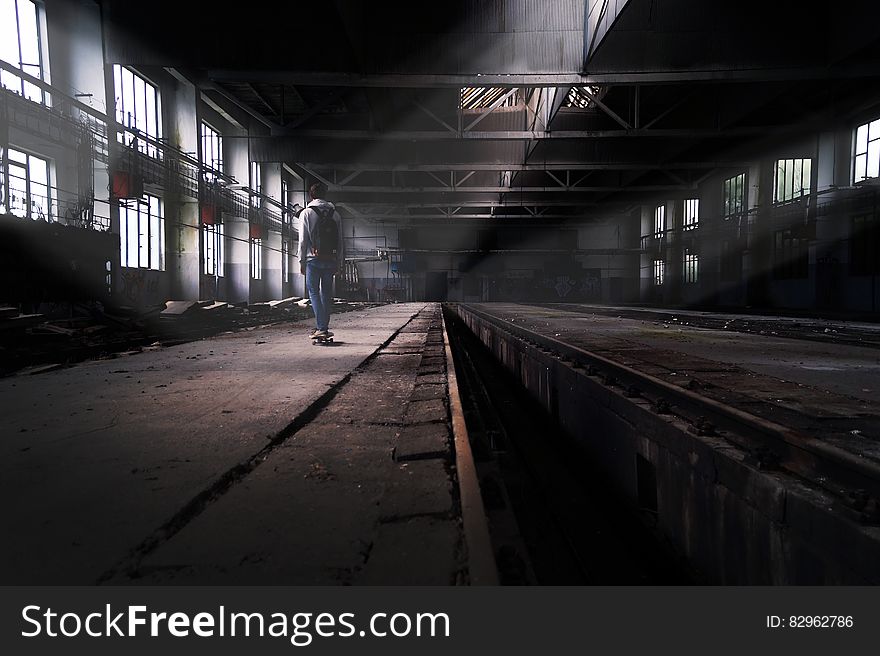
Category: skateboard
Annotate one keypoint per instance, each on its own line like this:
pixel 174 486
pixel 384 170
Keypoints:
pixel 323 341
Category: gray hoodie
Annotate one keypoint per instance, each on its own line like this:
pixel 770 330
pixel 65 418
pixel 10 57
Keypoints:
pixel 308 221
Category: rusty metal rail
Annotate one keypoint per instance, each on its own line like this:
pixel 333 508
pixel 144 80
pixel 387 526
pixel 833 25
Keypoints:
pixel 854 478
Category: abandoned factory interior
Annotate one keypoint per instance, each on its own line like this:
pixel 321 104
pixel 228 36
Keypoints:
pixel 474 292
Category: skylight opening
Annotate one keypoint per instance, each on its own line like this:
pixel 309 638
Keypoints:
pixel 484 97
pixel 579 97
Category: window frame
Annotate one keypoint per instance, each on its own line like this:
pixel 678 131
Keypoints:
pixel 728 207
pixel 872 137
pixel 213 250
pixel 789 193
pixel 660 225
pixel 148 239
pixel 49 214
pixel 256 258
pixel 690 267
pixel 208 133
pixel 154 113
pixel 690 215
pixel 16 83
pixel 659 272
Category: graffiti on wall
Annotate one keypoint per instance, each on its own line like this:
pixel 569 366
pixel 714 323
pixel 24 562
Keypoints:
pixel 140 286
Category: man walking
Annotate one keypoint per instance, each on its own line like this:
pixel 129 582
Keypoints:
pixel 320 255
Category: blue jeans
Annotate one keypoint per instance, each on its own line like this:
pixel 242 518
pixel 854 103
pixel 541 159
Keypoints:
pixel 319 283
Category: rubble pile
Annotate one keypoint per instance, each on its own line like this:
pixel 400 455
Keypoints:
pixel 33 343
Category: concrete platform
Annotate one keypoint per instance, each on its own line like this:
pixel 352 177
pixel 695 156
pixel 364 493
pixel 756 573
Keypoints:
pixel 828 390
pixel 252 457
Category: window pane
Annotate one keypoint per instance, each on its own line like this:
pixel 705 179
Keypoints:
pixel 780 181
pixel 808 175
pixel 117 86
pixel 39 207
pixel 132 236
pixel 154 241
pixel 29 39
pixel 874 159
pixel 17 190
pixel 208 249
pixel 861 167
pixel 158 114
pixel 8 35
pixel 151 112
pixel 862 139
pixel 143 236
pixel 127 98
pixel 123 236
pixel 39 169
pixel 874 130
pixel 221 250
pixel 140 104
pixel 789 179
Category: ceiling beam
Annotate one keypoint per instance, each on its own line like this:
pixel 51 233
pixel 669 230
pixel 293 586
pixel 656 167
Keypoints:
pixel 508 201
pixel 262 99
pixel 556 189
pixel 542 166
pixel 416 80
pixel 524 135
pixel 250 111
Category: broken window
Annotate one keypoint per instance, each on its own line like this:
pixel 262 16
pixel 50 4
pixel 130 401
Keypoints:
pixel 734 195
pixel 791 179
pixel 659 221
pixel 691 217
pixel 212 151
pixel 138 108
pixel 20 47
pixel 691 266
pixel 213 250
pixel 256 259
pixel 142 233
pixel 26 190
pixel 659 271
pixel 866 151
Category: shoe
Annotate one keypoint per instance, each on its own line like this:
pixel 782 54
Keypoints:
pixel 315 333
pixel 327 333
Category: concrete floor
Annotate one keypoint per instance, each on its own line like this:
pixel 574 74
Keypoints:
pixel 144 467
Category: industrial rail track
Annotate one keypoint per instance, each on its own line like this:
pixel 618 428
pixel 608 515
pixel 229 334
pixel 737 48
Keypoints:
pixel 849 476
pixel 552 516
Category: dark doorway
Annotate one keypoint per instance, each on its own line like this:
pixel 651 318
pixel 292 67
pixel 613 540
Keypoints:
pixel 436 286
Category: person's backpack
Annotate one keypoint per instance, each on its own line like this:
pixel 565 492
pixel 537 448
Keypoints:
pixel 325 234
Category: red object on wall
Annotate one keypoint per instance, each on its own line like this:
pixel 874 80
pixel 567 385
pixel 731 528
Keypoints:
pixel 126 185
pixel 256 231
pixel 209 215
